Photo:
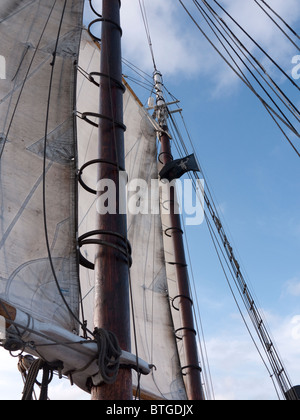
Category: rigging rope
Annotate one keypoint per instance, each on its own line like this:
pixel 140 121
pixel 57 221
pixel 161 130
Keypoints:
pixel 255 43
pixel 109 355
pixel 146 25
pixel 278 26
pixel 247 53
pixel 31 378
pixel 277 115
pixel 279 17
pixel 204 14
pixel 226 251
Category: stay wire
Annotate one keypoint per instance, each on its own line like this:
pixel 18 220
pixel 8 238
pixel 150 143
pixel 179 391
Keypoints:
pixel 257 44
pixel 239 75
pixel 247 53
pixel 275 362
pixel 146 25
pixel 279 17
pixel 278 26
pixel 215 242
pixel 147 77
pixel 206 18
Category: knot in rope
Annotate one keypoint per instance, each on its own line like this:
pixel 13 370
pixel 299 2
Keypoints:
pixel 109 354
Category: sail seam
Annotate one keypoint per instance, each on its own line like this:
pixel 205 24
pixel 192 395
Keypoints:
pixel 26 76
pixel 17 11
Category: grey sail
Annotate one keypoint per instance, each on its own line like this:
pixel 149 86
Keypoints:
pixel 152 323
pixel 48 144
pixel 38 256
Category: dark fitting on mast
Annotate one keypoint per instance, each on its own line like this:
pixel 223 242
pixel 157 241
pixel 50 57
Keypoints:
pixel 176 168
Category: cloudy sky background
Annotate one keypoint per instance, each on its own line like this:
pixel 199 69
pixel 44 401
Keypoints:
pixel 254 175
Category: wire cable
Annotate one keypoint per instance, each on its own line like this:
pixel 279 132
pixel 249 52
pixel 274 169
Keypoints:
pixel 249 55
pixel 278 26
pixel 146 25
pixel 279 17
pixel 206 17
pixel 256 43
pixel 216 230
pixel 245 80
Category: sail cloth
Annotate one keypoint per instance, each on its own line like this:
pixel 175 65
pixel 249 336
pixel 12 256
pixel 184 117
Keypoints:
pixel 39 261
pixel 37 173
pixel 152 325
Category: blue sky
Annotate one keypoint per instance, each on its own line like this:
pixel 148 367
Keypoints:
pixel 254 175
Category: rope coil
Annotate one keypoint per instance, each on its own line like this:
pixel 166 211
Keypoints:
pixel 31 377
pixel 109 355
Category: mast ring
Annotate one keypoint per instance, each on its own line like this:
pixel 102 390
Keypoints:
pixel 93 9
pixel 86 239
pixel 173 228
pixel 167 201
pixel 92 162
pixel 190 367
pixel 177 263
pixel 85 116
pixel 101 19
pixel 180 296
pixel 164 153
pixel 184 328
pixel 117 82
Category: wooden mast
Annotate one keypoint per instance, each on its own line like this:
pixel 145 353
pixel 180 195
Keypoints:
pixel 112 310
pixel 192 369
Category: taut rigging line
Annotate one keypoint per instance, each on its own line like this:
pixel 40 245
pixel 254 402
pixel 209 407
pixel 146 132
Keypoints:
pixel 272 108
pixel 211 213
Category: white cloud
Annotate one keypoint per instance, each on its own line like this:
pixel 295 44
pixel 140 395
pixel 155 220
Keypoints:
pixel 176 51
pixel 181 50
pixel 11 383
pixel 237 369
pixel 61 390
pixel 292 287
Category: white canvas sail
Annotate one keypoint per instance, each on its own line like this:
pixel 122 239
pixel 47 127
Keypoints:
pixel 37 175
pixel 43 210
pixel 152 324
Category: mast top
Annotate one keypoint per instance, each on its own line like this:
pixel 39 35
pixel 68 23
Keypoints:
pixel 162 111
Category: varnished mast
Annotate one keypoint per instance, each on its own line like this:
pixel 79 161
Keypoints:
pixel 112 311
pixel 192 369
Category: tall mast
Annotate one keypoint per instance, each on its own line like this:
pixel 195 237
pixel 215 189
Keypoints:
pixel 192 369
pixel 112 310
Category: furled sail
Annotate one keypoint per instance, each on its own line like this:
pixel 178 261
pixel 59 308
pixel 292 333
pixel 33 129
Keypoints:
pixel 152 324
pixel 38 256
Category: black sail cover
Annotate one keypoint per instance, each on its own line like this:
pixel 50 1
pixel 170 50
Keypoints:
pixel 38 260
